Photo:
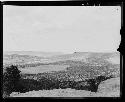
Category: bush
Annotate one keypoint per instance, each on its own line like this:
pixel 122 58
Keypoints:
pixel 11 76
pixel 26 85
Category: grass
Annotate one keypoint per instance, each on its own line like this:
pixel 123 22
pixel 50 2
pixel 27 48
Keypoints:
pixel 43 68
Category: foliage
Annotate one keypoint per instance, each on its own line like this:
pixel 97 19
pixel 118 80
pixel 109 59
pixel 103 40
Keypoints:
pixel 48 83
pixel 11 76
pixel 76 77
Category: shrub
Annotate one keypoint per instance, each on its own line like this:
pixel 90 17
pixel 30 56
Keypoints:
pixel 11 76
pixel 26 85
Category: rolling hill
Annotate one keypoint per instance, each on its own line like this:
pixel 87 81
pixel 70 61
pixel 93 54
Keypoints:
pixel 33 53
pixel 54 58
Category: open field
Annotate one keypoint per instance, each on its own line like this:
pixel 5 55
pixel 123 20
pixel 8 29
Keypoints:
pixel 66 93
pixel 43 68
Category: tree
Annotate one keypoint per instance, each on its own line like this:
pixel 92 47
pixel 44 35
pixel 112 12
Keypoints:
pixel 11 77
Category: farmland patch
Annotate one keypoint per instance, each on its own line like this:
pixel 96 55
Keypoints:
pixel 43 68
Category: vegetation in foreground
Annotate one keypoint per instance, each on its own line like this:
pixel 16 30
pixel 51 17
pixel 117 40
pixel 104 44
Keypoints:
pixel 11 77
pixel 13 81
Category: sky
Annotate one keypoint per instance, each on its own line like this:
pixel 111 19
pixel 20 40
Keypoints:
pixel 61 28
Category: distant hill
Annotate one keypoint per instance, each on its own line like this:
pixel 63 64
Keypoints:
pixel 20 59
pixel 88 57
pixel 33 53
pixel 60 58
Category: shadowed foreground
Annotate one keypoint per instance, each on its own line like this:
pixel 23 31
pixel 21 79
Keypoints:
pixel 107 88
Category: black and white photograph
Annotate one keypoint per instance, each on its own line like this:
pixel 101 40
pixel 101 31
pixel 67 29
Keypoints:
pixel 61 51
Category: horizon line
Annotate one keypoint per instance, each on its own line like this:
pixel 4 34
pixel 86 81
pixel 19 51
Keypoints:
pixel 59 51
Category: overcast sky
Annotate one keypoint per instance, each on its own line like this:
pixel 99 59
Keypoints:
pixel 61 28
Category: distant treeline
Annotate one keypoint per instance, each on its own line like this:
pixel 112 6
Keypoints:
pixel 77 73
